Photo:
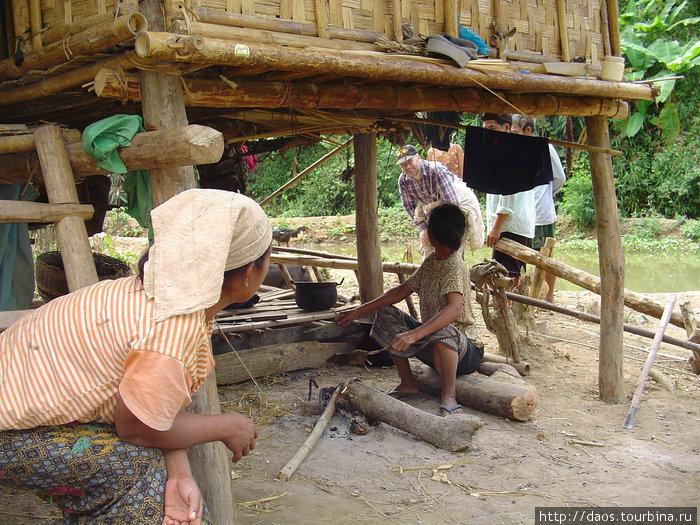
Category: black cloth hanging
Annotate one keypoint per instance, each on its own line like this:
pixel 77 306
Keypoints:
pixel 439 136
pixel 505 163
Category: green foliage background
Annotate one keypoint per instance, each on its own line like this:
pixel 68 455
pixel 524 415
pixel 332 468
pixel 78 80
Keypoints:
pixel 657 176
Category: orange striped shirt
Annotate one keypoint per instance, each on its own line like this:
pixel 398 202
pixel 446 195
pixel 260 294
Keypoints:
pixel 67 360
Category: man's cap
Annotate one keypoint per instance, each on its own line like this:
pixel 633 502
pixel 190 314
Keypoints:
pixel 404 153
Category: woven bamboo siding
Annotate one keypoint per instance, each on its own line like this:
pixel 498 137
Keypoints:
pixel 536 21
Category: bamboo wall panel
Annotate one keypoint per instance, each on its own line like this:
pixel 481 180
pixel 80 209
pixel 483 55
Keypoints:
pixel 535 21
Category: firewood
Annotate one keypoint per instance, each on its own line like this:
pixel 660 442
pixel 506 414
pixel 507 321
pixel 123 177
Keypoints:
pixel 507 400
pixel 452 433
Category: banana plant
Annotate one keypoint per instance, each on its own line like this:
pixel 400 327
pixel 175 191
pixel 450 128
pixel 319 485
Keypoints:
pixel 646 37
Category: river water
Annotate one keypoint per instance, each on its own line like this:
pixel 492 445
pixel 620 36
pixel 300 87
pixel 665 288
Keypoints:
pixel 644 272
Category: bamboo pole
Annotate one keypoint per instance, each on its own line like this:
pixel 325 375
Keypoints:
pixel 313 253
pixel 276 323
pixel 340 264
pixel 633 300
pixel 293 464
pixel 87 42
pixel 218 16
pixel 56 33
pixel 396 20
pixel 305 172
pixel 22 25
pixel 20 211
pixel 380 67
pixel 35 21
pixel 247 34
pixel 614 28
pixel 688 345
pixel 75 77
pixel 563 33
pixel 629 420
pixel 369 252
pixel 60 186
pixel 183 146
pixel 242 94
pixel 451 13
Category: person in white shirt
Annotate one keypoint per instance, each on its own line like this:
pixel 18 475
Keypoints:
pixel 509 216
pixel 545 213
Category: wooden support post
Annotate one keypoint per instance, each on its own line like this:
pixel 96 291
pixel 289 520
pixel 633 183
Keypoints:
pixel 286 276
pixel 611 261
pixel 509 337
pixel 369 255
pixel 538 276
pixel 317 273
pixel 60 187
pixel 451 13
pixel 396 19
pixel 20 14
pixel 163 107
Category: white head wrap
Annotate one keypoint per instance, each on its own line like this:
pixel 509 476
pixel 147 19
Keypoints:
pixel 198 235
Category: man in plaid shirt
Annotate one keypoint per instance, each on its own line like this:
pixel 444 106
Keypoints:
pixel 423 182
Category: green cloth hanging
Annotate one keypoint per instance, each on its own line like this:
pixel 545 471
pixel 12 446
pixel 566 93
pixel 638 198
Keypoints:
pixel 101 140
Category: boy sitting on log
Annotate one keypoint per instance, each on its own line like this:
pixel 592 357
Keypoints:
pixel 443 287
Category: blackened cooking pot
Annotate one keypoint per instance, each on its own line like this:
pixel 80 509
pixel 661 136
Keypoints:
pixel 312 295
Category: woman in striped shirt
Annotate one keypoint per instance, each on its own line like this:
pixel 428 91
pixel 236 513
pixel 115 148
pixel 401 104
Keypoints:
pixel 93 384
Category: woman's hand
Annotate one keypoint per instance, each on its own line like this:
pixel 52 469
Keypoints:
pixel 401 342
pixel 182 502
pixel 240 435
pixel 346 317
pixel 493 236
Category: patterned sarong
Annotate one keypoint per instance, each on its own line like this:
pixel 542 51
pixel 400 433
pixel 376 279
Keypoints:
pixel 390 321
pixel 88 471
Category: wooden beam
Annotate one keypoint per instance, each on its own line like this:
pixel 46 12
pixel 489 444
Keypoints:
pixel 182 146
pixel 233 93
pixel 639 302
pixel 371 66
pixel 369 253
pixel 60 186
pixel 20 211
pixel 25 142
pixel 611 261
pixel 305 172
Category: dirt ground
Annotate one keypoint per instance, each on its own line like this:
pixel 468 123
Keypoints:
pixel 388 476
pixel 573 452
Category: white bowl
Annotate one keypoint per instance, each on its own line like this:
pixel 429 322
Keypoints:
pixel 569 69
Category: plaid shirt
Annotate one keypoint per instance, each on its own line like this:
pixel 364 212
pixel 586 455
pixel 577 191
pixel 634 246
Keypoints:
pixel 435 183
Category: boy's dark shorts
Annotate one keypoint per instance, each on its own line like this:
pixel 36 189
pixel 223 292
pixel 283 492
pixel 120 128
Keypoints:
pixel 513 265
pixel 541 233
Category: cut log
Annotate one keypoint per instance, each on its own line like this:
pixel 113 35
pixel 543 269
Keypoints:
pixel 275 359
pixel 522 367
pixel 688 316
pixel 488 369
pixel 182 146
pixel 507 400
pixel 452 433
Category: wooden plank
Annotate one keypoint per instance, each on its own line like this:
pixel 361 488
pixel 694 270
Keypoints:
pixel 20 211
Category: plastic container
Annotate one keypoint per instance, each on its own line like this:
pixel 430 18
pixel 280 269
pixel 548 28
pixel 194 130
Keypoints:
pixel 613 68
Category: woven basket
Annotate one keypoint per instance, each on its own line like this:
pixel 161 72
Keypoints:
pixel 51 277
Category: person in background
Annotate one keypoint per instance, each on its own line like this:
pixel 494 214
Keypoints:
pixel 508 216
pixel 92 414
pixel 545 212
pixel 453 158
pixel 444 288
pixel 422 183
